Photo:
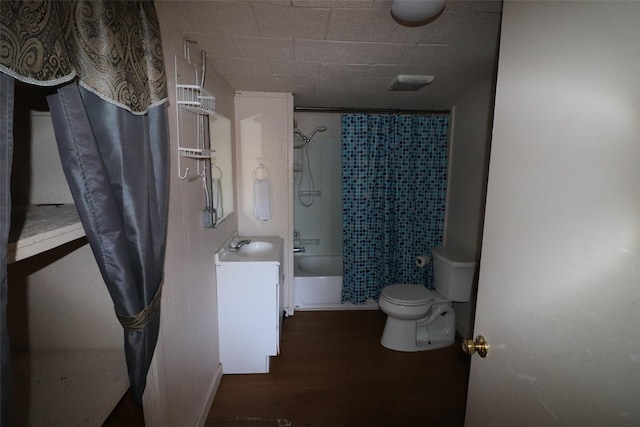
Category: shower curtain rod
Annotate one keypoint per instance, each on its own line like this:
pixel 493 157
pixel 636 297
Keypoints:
pixel 366 110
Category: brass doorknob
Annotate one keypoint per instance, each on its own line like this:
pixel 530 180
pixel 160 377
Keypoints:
pixel 479 345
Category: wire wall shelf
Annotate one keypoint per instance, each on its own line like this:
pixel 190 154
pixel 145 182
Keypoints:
pixel 195 99
pixel 196 153
pixel 192 97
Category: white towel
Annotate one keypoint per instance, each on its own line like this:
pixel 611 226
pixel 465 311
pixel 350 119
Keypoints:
pixel 262 199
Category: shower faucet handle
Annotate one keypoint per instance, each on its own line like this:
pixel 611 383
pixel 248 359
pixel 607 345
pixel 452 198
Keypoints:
pixel 296 235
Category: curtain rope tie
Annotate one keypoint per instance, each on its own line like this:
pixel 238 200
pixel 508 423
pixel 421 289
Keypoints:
pixel 139 320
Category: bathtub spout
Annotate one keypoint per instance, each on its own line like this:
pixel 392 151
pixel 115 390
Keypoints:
pixel 299 249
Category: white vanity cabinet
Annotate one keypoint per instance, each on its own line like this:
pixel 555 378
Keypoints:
pixel 250 309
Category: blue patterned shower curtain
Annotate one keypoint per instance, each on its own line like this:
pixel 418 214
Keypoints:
pixel 394 179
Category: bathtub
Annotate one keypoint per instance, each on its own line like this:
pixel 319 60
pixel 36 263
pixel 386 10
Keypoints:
pixel 317 284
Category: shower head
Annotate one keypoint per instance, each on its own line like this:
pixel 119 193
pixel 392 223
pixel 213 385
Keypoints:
pixel 318 129
pixel 307 139
pixel 303 136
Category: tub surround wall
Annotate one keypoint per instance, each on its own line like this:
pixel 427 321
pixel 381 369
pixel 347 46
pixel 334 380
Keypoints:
pixel 321 221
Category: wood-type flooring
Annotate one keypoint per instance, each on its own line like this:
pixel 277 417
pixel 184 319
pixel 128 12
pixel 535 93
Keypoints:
pixel 332 371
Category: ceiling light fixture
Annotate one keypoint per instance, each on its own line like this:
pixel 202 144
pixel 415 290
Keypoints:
pixel 413 13
pixel 408 82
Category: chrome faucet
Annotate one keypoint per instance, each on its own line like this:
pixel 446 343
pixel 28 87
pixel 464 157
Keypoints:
pixel 298 249
pixel 234 245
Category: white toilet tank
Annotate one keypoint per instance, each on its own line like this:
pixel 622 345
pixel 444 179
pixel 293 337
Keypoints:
pixel 453 273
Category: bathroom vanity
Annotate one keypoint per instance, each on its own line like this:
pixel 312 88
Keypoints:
pixel 250 305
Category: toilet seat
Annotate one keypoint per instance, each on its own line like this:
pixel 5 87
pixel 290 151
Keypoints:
pixel 406 294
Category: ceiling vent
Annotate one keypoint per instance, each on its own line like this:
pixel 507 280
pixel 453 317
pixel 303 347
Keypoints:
pixel 409 82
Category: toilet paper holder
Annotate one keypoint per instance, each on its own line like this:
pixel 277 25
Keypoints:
pixel 423 261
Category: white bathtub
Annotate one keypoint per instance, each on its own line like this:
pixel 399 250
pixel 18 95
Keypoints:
pixel 318 284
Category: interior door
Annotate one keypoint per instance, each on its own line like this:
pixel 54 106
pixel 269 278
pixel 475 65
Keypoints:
pixel 559 290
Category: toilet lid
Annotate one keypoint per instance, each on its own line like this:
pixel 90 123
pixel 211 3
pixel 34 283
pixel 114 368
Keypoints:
pixel 407 294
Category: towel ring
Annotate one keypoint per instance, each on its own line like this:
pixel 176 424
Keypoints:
pixel 261 170
pixel 215 169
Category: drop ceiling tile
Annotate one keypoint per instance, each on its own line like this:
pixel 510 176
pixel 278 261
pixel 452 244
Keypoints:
pixel 288 22
pixel 320 51
pixel 292 68
pixel 264 83
pixel 309 81
pixel 367 84
pixel 382 4
pixel 373 25
pixel 223 17
pixel 279 45
pixel 486 30
pixel 490 6
pixel 357 4
pixel 213 44
pixel 448 28
pixel 253 47
pixel 472 57
pixel 349 52
pixel 275 2
pixel 343 70
pixel 430 55
pixel 356 84
pixel 386 71
pixel 251 66
pixel 437 72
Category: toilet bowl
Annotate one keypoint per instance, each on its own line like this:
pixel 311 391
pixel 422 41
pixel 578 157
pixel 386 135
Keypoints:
pixel 420 319
pixel 417 318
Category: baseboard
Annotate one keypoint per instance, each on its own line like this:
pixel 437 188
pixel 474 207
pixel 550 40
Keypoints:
pixel 369 305
pixel 217 378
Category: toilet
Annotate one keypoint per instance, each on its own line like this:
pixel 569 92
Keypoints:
pixel 420 319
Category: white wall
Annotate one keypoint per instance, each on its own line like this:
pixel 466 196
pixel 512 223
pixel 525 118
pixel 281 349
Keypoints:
pixel 468 168
pixel 264 129
pixel 61 302
pixel 467 187
pixel 185 371
pixel 264 126
pixel 323 219
pixel 58 298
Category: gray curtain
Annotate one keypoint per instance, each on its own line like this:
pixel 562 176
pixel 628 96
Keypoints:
pixel 116 166
pixel 110 122
pixel 6 156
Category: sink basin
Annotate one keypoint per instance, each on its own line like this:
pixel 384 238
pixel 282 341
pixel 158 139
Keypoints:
pixel 256 248
pixel 262 249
